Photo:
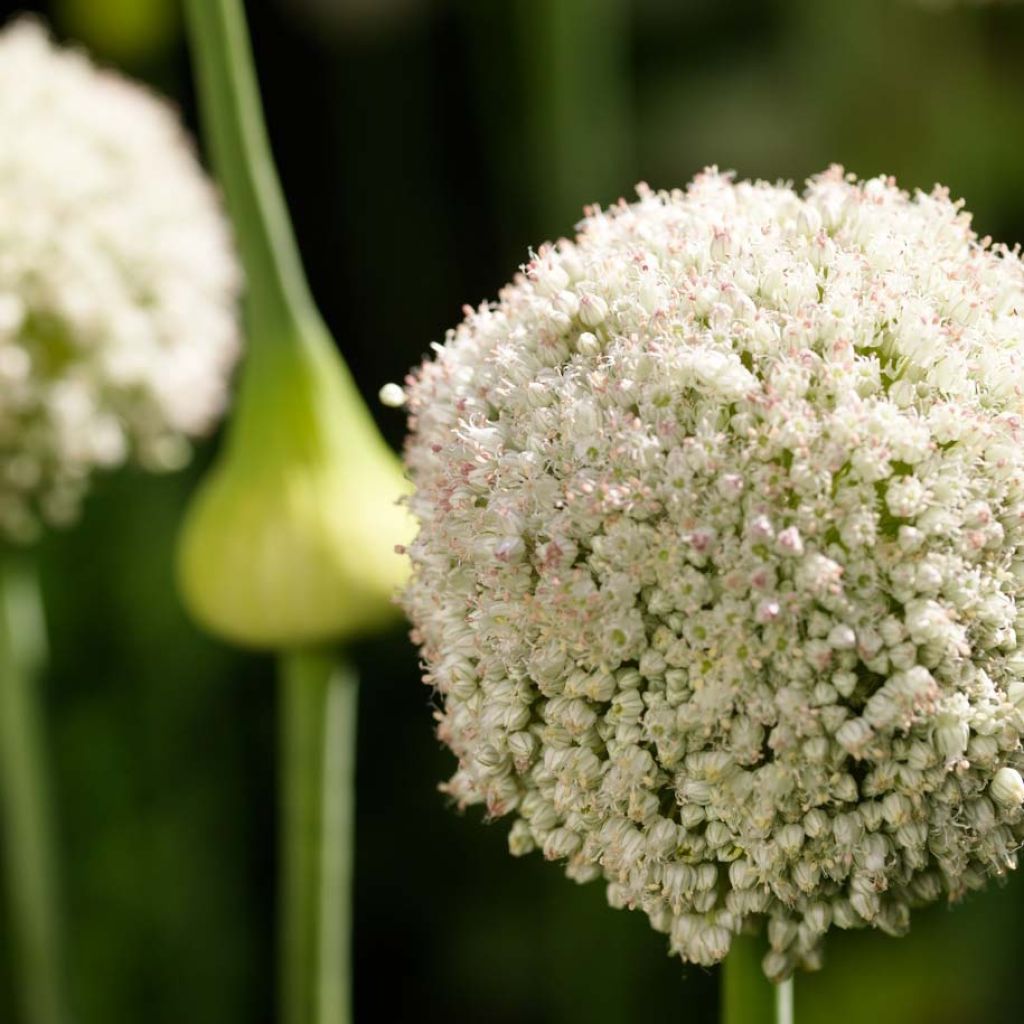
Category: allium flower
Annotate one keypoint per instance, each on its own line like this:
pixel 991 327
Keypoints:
pixel 720 553
pixel 117 281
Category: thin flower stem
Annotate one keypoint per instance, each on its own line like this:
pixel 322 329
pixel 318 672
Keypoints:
pixel 24 798
pixel 235 132
pixel 784 1002
pixel 317 750
pixel 575 66
pixel 748 997
pixel 281 318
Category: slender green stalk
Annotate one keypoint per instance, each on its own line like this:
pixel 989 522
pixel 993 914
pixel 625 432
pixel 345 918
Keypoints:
pixel 748 997
pixel 281 318
pixel 317 752
pixel 234 128
pixel 291 372
pixel 24 798
pixel 575 66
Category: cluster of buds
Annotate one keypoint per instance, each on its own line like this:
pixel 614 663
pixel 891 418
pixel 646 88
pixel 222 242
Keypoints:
pixel 118 284
pixel 720 552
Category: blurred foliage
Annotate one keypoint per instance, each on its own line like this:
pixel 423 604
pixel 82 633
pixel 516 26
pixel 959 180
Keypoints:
pixel 127 32
pixel 421 159
pixel 361 17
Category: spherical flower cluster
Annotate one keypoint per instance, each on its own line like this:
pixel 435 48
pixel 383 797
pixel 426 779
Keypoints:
pixel 117 281
pixel 720 553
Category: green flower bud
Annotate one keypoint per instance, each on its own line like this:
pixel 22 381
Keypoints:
pixel 291 537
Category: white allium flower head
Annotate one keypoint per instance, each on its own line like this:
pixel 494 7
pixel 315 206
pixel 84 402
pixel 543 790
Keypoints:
pixel 118 284
pixel 720 557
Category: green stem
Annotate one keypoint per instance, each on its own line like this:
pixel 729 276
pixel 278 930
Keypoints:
pixel 232 114
pixel 317 749
pixel 748 997
pixel 288 348
pixel 24 798
pixel 575 56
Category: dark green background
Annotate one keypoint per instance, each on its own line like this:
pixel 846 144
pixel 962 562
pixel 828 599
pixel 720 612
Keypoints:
pixel 423 147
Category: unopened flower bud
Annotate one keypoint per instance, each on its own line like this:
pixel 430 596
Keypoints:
pixel 290 539
pixel 392 395
pixel 1007 788
pixel 776 966
pixel 593 309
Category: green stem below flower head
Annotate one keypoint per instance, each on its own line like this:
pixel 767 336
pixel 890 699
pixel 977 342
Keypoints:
pixel 748 997
pixel 24 798
pixel 784 1010
pixel 317 755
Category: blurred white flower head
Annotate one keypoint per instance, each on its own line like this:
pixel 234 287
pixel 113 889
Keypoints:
pixel 118 283
pixel 721 549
